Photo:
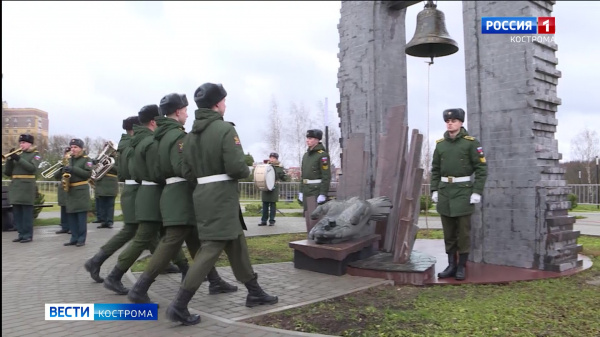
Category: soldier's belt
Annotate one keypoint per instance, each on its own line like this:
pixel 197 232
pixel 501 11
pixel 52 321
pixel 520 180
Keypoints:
pixel 146 182
pixel 213 179
pixel 456 179
pixel 309 181
pixel 130 182
pixel 110 175
pixel 23 176
pixel 174 180
pixel 79 183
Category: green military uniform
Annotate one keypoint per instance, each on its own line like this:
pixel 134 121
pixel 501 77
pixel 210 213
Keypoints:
pixel 316 177
pixel 106 190
pixel 270 198
pixel 21 194
pixel 458 157
pixel 147 202
pixel 78 197
pixel 62 202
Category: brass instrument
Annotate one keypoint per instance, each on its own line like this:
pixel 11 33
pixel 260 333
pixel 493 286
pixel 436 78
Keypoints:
pixel 5 156
pixel 104 162
pixel 51 171
pixel 65 181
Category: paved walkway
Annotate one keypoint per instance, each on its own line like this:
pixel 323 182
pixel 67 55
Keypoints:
pixel 45 271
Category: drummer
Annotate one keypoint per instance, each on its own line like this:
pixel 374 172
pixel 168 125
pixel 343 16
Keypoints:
pixel 270 198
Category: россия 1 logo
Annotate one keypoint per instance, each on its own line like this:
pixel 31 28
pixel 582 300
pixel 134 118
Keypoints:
pixel 518 25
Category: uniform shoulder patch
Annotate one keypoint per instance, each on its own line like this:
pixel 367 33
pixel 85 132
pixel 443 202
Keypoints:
pixel 180 146
pixel 439 140
pixel 320 151
pixel 469 137
pixel 236 139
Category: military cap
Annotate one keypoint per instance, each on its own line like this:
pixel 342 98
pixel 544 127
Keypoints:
pixel 314 133
pixel 209 94
pixel 129 122
pixel 76 142
pixel 147 113
pixel 171 103
pixel 456 113
pixel 26 138
pixel 274 154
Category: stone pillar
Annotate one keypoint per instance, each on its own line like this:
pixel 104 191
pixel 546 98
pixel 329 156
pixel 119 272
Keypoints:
pixel 511 109
pixel 372 75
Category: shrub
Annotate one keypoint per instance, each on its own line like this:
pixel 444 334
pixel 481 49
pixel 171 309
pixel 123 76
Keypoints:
pixel 92 208
pixel 253 208
pixel 426 203
pixel 40 198
pixel 573 200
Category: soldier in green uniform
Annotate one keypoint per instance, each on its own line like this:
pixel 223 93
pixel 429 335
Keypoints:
pixel 127 232
pixel 456 157
pixel 142 167
pixel 62 201
pixel 176 203
pixel 316 175
pixel 270 198
pixel 77 173
pixel 21 168
pixel 106 190
pixel 213 156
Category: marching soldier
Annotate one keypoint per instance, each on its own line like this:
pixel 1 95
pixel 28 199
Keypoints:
pixel 456 157
pixel 125 151
pixel 147 200
pixel 106 191
pixel 21 168
pixel 316 175
pixel 270 198
pixel 176 203
pixel 62 201
pixel 76 176
pixel 213 156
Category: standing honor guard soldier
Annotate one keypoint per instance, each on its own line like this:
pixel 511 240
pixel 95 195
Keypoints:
pixel 270 198
pixel 62 201
pixel 142 167
pixel 75 180
pixel 316 175
pixel 127 232
pixel 456 157
pixel 21 166
pixel 106 190
pixel 176 202
pixel 213 156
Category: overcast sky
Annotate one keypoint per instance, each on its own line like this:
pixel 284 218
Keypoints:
pixel 91 64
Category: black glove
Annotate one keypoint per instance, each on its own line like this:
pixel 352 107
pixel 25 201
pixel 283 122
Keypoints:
pixel 67 169
pixel 94 162
pixel 14 157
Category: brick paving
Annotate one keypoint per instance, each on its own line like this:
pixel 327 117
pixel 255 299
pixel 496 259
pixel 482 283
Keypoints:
pixel 45 271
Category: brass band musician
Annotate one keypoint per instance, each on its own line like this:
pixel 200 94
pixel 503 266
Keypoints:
pixel 75 181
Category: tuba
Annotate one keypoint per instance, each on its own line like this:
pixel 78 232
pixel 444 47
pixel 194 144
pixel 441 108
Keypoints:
pixel 104 162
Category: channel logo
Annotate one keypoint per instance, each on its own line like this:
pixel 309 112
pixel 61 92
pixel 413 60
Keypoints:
pixel 518 25
pixel 101 312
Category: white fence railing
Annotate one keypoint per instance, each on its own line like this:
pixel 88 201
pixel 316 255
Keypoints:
pixel 288 191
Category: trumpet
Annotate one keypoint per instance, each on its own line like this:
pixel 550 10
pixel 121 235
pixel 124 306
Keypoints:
pixel 5 156
pixel 51 171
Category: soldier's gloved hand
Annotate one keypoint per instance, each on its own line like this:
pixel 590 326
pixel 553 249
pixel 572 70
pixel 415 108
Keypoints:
pixel 321 199
pixel 67 169
pixel 434 196
pixel 300 196
pixel 14 157
pixel 94 162
pixel 475 198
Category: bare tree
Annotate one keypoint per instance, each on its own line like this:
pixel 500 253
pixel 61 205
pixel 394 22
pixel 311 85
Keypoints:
pixel 273 136
pixel 426 158
pixel 299 121
pixel 585 147
pixel 334 136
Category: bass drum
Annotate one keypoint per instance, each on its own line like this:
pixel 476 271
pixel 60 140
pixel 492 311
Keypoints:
pixel 264 177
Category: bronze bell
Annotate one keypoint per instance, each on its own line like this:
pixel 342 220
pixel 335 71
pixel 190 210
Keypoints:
pixel 431 37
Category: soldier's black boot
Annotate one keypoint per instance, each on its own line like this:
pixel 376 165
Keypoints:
pixel 461 270
pixel 178 311
pixel 451 269
pixel 113 281
pixel 217 284
pixel 171 269
pixel 139 291
pixel 93 265
pixel 257 296
pixel 184 269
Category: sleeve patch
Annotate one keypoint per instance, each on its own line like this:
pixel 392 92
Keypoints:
pixel 88 164
pixel 324 163
pixel 37 157
pixel 180 146
pixel 480 151
pixel 482 159
pixel 236 139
